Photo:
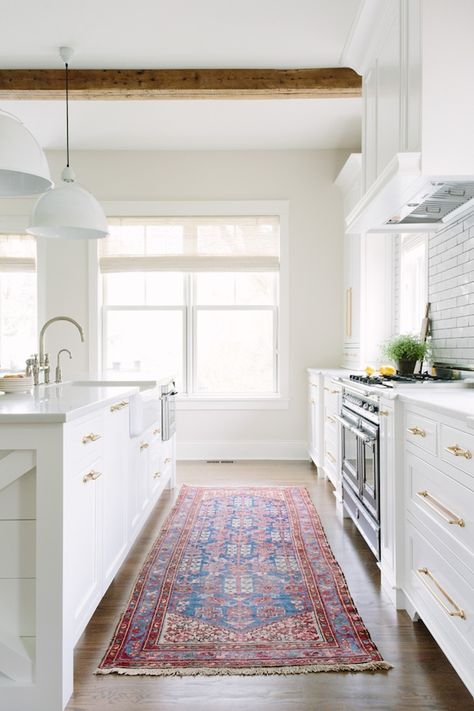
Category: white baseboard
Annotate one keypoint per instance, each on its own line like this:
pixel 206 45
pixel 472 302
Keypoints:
pixel 241 449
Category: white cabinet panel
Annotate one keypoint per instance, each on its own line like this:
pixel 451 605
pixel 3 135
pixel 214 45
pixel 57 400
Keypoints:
pixel 115 491
pixel 86 512
pixel 388 99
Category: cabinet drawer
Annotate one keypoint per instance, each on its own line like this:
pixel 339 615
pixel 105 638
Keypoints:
pixel 331 459
pixel 331 427
pixel 422 432
pixel 85 440
pixel 447 504
pixel 167 457
pixel 331 399
pixel 457 449
pixel 443 597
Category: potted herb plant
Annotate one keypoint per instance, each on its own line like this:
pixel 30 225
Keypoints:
pixel 405 351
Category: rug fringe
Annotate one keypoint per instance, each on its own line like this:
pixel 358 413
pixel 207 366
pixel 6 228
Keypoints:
pixel 249 671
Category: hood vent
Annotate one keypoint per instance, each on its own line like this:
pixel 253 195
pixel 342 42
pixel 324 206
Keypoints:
pixel 436 207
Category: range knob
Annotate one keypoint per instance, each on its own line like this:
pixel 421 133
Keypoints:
pixel 365 405
pixel 371 408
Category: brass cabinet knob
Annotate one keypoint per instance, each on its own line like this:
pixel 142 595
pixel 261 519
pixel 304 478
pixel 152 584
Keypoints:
pixel 91 437
pixel 458 451
pixel 91 476
pixel 417 431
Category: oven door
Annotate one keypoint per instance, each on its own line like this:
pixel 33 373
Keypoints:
pixel 350 448
pixel 369 468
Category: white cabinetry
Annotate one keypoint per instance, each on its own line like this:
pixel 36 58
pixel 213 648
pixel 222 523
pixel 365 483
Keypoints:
pixel 86 492
pixel 349 182
pixel 438 576
pixel 415 57
pixel 114 484
pixel 315 417
pixel 332 434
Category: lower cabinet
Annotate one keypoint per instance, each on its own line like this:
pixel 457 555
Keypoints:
pixel 114 484
pixel 314 418
pixel 111 484
pixel 85 522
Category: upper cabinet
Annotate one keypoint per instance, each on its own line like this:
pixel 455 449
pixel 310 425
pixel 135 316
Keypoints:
pixel 417 63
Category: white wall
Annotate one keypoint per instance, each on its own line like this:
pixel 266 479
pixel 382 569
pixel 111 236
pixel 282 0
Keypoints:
pixel 305 179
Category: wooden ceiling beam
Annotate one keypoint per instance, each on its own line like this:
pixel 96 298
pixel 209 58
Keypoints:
pixel 138 84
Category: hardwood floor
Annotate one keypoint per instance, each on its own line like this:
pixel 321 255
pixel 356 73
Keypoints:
pixel 422 678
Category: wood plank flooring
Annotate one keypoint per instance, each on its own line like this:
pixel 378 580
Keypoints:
pixel 422 678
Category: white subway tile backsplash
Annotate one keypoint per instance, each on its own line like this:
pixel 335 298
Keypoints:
pixel 451 292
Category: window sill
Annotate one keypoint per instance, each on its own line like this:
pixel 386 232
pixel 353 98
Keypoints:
pixel 270 402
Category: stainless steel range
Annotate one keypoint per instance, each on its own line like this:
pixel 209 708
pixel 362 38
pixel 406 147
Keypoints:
pixel 360 459
pixel 360 442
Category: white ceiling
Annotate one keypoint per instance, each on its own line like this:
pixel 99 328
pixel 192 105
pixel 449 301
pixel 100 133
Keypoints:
pixel 185 33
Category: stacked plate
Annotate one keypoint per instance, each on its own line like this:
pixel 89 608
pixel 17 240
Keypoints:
pixel 16 383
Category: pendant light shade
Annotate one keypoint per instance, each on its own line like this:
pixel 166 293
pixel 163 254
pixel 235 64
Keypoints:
pixel 23 166
pixel 68 211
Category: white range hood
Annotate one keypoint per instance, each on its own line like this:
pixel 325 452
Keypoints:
pixel 402 199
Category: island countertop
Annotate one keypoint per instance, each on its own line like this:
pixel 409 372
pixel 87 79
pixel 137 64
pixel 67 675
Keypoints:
pixel 59 402
pixel 144 381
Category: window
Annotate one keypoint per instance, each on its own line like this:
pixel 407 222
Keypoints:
pixel 413 282
pixel 194 295
pixel 18 300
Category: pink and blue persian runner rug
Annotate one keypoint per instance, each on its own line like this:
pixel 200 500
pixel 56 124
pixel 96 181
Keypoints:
pixel 241 581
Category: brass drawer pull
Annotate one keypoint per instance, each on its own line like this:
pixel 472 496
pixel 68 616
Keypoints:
pixel 118 406
pixel 91 476
pixel 417 431
pixel 329 418
pixel 437 506
pixel 156 431
pixel 91 437
pixel 144 445
pixel 384 413
pixel 458 451
pixel 331 457
pixel 156 475
pixel 332 392
pixel 168 460
pixel 424 573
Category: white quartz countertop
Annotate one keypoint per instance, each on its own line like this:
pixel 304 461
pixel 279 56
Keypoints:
pixel 331 371
pixel 59 403
pixel 456 402
pixel 143 381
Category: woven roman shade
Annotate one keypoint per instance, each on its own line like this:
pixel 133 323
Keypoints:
pixel 191 244
pixel 17 253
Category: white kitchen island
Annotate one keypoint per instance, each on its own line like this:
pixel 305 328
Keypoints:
pixel 76 487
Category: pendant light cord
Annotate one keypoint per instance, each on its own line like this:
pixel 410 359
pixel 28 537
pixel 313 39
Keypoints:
pixel 67 114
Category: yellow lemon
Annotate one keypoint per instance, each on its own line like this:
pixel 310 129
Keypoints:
pixel 369 370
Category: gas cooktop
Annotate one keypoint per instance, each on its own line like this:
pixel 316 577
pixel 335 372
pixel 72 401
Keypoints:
pixel 395 381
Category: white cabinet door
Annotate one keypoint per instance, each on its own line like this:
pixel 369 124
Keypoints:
pixel 138 484
pixel 314 419
pixel 85 510
pixel 114 484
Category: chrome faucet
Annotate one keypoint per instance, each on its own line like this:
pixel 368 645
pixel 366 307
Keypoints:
pixel 42 363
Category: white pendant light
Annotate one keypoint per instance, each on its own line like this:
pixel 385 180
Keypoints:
pixel 68 211
pixel 23 166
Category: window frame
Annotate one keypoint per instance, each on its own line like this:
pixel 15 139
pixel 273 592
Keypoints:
pixel 198 401
pixel 408 242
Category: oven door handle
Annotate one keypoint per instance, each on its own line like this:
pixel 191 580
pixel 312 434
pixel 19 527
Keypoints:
pixel 361 435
